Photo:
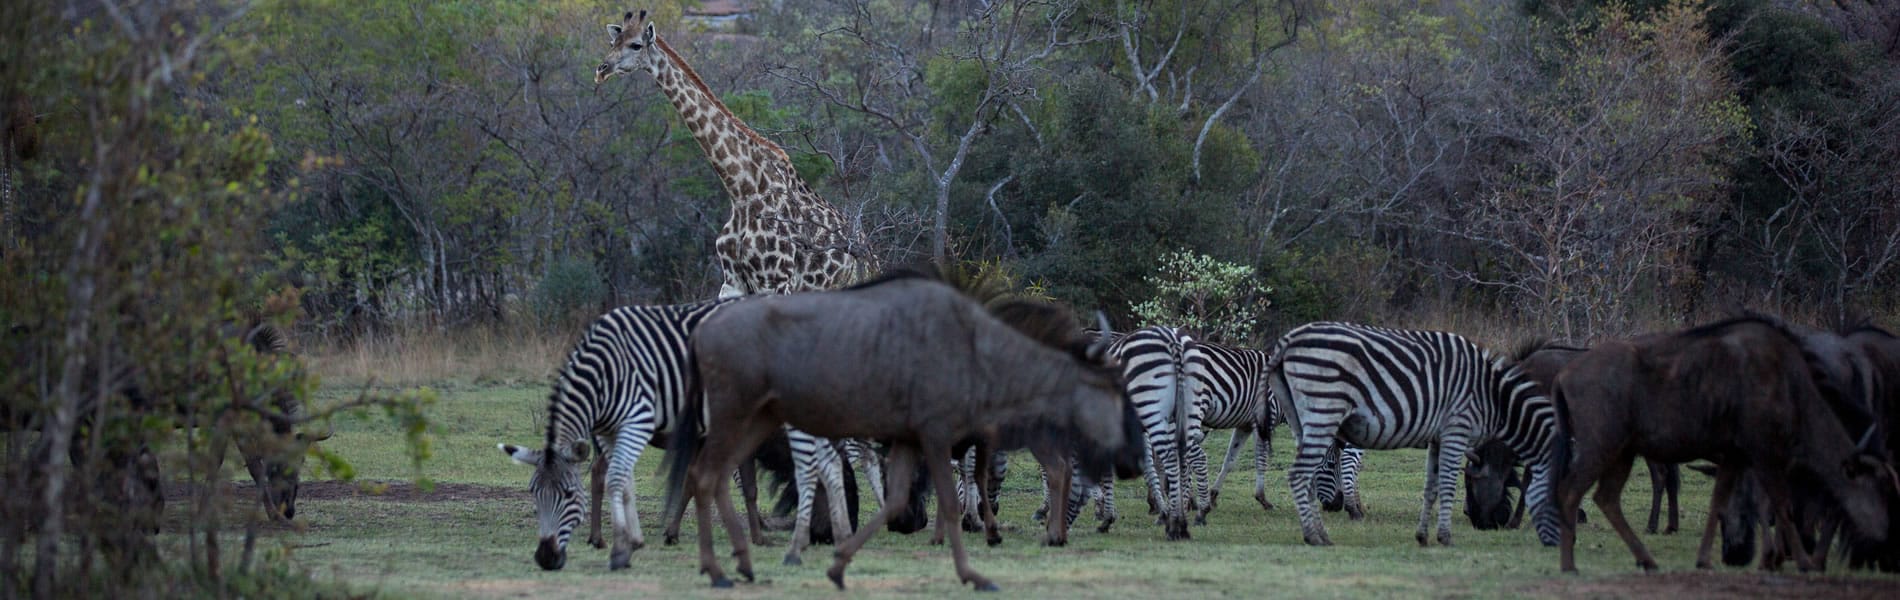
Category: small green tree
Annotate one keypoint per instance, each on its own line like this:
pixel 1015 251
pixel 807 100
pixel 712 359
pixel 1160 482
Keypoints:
pixel 1221 301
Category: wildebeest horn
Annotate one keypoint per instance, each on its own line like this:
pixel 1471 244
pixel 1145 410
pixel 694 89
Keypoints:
pixel 1100 348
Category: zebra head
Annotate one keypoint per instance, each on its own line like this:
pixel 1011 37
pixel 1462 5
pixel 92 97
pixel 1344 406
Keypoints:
pixel 558 497
pixel 1526 420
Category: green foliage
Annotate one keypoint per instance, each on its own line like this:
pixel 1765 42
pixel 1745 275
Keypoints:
pixel 571 290
pixel 1221 301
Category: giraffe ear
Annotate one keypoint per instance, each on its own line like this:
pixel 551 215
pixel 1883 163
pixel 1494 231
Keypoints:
pixel 646 35
pixel 613 32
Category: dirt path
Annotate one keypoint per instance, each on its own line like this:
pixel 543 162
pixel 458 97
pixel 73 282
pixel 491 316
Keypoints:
pixel 1695 585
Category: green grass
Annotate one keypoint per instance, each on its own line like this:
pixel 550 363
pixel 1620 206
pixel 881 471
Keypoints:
pixel 483 546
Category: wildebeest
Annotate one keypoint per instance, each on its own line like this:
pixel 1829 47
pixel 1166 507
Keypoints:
pixel 1491 471
pixel 1862 366
pixel 1738 392
pixel 905 360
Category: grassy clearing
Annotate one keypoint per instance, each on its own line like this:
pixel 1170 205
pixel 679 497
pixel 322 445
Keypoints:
pixel 480 542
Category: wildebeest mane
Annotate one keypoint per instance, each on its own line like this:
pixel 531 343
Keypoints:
pixel 1531 346
pixel 1051 324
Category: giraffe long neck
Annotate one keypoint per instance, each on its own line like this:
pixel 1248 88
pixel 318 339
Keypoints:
pixel 736 152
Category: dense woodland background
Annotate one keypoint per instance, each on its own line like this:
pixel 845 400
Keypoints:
pixel 364 170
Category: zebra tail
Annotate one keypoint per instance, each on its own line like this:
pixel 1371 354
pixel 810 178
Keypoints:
pixel 686 441
pixel 1182 406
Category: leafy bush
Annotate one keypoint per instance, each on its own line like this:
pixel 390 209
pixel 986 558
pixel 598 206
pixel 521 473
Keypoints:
pixel 1221 301
pixel 572 289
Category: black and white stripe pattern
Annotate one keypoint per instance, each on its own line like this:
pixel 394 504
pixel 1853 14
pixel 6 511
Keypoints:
pixel 1384 389
pixel 623 383
pixel 1230 387
pixel 1337 485
pixel 1154 364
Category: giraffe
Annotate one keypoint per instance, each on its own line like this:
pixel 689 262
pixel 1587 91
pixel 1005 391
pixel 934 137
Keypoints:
pixel 781 237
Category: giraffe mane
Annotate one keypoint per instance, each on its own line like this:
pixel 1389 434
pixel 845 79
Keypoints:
pixel 692 77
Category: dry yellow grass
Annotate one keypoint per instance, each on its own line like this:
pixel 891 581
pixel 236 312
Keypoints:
pixel 419 356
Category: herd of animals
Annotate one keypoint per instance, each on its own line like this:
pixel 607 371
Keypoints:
pixel 926 378
pixel 808 363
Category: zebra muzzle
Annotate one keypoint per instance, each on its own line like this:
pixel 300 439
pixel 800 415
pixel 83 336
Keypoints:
pixel 550 555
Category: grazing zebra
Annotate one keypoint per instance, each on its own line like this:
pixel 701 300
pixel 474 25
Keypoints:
pixel 1155 361
pixel 1337 486
pixel 1230 389
pixel 1384 389
pixel 624 382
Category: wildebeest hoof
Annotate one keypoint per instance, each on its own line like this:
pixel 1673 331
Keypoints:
pixel 792 560
pixel 596 541
pixel 1103 528
pixel 836 575
pixel 1422 543
pixel 984 585
pixel 672 539
pixel 1055 542
pixel 746 572
pixel 1649 566
pixel 721 582
pixel 1700 564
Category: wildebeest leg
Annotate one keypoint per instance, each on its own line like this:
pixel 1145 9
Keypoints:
pixel 672 533
pixel 936 458
pixel 625 453
pixel 1060 472
pixel 710 474
pixel 984 458
pixel 1609 499
pixel 1656 485
pixel 903 466
pixel 1241 436
pixel 1569 498
pixel 1672 482
pixel 597 491
pixel 1718 506
pixel 1786 527
pixel 749 489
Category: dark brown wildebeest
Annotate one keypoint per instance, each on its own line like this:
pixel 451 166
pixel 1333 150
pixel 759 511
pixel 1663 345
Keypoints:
pixel 1739 393
pixel 1492 469
pixel 906 360
pixel 1861 365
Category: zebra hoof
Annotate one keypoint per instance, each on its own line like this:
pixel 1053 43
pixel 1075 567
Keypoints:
pixel 620 560
pixel 1200 519
pixel 1422 540
pixel 1318 539
pixel 1262 498
pixel 1213 499
pixel 1444 537
pixel 792 560
pixel 1103 528
pixel 994 539
pixel 1038 515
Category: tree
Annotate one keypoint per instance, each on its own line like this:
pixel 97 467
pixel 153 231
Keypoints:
pixel 1220 301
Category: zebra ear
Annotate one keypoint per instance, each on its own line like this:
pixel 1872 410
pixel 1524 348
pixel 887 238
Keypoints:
pixel 521 455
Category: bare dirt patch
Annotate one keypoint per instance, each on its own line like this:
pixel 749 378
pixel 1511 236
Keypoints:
pixel 1693 585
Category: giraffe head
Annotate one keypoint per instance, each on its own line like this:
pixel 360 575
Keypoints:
pixel 629 51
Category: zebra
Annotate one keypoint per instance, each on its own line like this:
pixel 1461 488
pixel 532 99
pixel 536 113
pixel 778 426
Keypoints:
pixel 1383 389
pixel 1231 387
pixel 1155 361
pixel 623 383
pixel 1337 485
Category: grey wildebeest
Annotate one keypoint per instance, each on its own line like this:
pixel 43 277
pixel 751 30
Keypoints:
pixel 906 360
pixel 1491 470
pixel 1738 393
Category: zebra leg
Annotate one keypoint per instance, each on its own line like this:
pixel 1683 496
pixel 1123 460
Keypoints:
pixel 1220 479
pixel 1262 454
pixel 969 493
pixel 805 479
pixel 1302 477
pixel 866 459
pixel 596 494
pixel 938 455
pixel 1105 506
pixel 1350 460
pixel 1197 459
pixel 625 453
pixel 1042 512
pixel 1451 455
pixel 831 466
pixel 1430 494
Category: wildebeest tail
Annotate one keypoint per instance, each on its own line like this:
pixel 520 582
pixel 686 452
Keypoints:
pixel 686 441
pixel 1560 450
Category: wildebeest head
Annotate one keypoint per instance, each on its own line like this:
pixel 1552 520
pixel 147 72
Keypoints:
pixel 558 497
pixel 1490 473
pixel 1110 433
pixel 275 460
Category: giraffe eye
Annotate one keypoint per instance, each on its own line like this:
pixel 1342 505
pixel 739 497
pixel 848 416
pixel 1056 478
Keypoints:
pixel 633 45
